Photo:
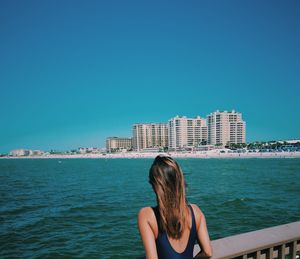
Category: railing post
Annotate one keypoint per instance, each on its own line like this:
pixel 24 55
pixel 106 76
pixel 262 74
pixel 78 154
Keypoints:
pixel 270 253
pixel 257 254
pixel 281 252
pixel 293 249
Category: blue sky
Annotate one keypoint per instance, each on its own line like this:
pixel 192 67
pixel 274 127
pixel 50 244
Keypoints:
pixel 74 72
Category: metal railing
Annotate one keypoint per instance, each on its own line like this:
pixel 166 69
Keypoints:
pixel 282 242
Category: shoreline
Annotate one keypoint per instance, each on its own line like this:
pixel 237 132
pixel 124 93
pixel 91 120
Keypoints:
pixel 136 155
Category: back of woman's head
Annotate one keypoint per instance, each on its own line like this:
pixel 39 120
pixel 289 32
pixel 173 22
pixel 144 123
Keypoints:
pixel 167 181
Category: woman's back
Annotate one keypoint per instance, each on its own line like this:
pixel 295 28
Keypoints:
pixel 177 249
pixel 171 229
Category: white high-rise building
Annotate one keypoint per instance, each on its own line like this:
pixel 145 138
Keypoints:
pixel 226 128
pixel 187 132
pixel 149 135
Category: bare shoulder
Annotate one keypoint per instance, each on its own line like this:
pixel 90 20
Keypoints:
pixel 197 210
pixel 146 214
pixel 147 220
pixel 199 216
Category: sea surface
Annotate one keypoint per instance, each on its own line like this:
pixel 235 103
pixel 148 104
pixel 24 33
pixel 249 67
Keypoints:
pixel 54 208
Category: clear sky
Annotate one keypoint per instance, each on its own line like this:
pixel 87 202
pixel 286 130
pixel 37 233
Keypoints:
pixel 75 72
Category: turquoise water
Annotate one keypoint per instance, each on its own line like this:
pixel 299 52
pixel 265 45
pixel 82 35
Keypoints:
pixel 88 207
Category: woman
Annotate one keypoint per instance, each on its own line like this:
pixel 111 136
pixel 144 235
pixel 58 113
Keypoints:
pixel 170 229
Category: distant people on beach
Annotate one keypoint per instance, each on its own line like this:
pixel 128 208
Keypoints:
pixel 171 229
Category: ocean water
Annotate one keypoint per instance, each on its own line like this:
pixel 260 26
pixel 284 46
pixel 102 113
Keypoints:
pixel 87 208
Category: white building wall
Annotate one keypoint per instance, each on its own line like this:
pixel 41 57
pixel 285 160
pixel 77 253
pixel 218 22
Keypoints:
pixel 186 132
pixel 150 135
pixel 226 127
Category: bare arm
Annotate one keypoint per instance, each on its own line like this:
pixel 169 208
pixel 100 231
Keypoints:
pixel 146 233
pixel 203 236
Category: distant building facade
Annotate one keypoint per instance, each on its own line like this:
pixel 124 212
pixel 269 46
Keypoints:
pixel 36 152
pixel 26 152
pixel 19 152
pixel 114 144
pixel 226 127
pixel 86 150
pixel 149 135
pixel 186 133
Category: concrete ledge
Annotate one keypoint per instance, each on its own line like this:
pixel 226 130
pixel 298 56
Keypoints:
pixel 254 241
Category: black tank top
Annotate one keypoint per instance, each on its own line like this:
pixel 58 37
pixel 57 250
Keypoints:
pixel 165 249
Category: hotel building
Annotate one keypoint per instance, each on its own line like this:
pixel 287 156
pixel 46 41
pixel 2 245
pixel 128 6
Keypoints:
pixel 85 150
pixel 114 144
pixel 186 132
pixel 226 127
pixel 149 135
pixel 26 152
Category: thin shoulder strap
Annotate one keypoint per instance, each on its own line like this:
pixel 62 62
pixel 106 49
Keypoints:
pixel 193 217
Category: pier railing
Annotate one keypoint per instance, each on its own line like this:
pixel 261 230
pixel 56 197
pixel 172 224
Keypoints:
pixel 280 242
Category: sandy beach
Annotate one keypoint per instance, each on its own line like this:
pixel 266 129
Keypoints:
pixel 198 154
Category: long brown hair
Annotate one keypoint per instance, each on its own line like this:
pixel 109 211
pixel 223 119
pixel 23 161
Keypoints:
pixel 167 181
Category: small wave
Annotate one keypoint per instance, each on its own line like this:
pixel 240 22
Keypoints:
pixel 237 201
